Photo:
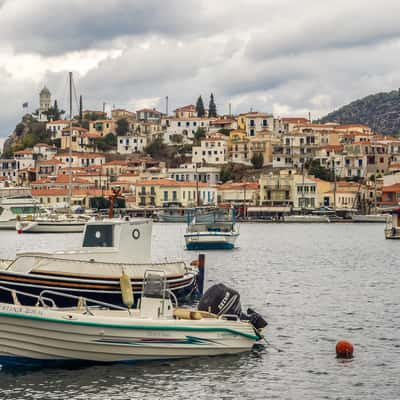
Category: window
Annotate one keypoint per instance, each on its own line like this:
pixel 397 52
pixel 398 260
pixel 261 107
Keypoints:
pixel 98 236
pixel 165 196
pixel 187 123
pixel 265 122
pixel 252 122
pixel 194 123
pixel 179 123
pixel 174 196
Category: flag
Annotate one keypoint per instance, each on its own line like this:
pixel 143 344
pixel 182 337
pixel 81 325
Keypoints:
pixel 25 105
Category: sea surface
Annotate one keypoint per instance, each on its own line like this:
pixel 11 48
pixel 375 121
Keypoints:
pixel 314 283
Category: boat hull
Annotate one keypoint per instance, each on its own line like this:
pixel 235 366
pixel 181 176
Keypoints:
pixel 34 335
pixel 49 227
pixel 369 218
pixel 207 241
pixel 185 288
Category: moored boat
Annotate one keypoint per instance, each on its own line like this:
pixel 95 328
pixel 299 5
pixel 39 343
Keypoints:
pixel 308 218
pixel 219 234
pixel 54 223
pixel 392 228
pixel 109 246
pixel 12 208
pixel 378 218
pixel 99 332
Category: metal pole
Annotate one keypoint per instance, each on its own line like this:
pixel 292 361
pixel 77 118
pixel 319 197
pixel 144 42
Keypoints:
pixel 70 144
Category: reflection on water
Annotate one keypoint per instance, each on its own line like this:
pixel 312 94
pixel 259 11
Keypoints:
pixel 316 284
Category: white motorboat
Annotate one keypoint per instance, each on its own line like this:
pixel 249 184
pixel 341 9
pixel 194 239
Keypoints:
pixel 217 235
pixel 11 208
pixel 53 223
pixel 94 331
pixel 108 247
pixel 378 218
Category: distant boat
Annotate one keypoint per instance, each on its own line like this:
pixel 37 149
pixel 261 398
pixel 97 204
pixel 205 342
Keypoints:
pixel 219 234
pixel 54 223
pixel 392 228
pixel 306 218
pixel 379 218
pixel 183 215
pixel 12 208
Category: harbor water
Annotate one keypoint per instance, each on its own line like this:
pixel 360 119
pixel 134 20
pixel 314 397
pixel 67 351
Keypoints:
pixel 314 283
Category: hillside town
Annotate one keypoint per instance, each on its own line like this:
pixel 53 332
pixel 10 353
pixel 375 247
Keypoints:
pixel 260 163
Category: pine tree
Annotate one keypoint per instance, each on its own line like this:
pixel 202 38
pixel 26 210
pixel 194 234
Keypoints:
pixel 212 108
pixel 56 111
pixel 80 108
pixel 200 107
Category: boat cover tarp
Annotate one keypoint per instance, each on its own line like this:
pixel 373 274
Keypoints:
pixel 27 264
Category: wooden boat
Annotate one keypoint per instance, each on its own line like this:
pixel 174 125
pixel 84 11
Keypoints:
pixel 109 246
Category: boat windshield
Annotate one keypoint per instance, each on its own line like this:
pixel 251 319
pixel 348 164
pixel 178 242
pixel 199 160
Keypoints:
pixel 24 210
pixel 98 236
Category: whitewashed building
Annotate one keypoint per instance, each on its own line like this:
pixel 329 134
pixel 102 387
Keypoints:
pixel 212 150
pixel 131 144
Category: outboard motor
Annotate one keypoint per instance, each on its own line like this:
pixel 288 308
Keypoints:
pixel 220 299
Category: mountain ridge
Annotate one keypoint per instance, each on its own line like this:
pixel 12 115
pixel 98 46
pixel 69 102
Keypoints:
pixel 380 111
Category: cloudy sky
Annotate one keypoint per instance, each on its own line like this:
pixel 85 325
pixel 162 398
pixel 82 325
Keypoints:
pixel 288 57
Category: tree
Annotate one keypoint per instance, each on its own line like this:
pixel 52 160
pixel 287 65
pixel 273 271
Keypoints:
pixel 155 148
pixel 257 160
pixel 54 112
pixel 320 172
pixel 122 127
pixel 212 108
pixel 199 134
pixel 226 173
pixel 201 112
pixel 80 108
pixel 106 143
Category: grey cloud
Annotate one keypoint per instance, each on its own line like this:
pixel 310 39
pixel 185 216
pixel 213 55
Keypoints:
pixel 348 25
pixel 49 27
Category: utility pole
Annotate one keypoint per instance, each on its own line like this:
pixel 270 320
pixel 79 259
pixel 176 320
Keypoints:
pixel 166 106
pixel 230 109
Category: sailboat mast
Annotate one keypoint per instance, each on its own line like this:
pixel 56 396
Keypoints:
pixel 70 144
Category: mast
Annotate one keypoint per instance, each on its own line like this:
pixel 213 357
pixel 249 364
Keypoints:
pixel 70 144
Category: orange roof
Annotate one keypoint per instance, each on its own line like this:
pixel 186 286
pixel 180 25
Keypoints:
pixel 75 192
pixel 294 120
pixel 23 152
pixel 238 186
pixel 116 162
pixel 75 128
pixel 346 126
pixel 81 154
pixel 60 179
pixel 190 107
pixel 59 121
pixel 50 162
pixel 392 188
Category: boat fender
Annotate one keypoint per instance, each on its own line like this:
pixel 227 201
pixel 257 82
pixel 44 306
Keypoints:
pixel 126 289
pixel 136 234
pixel 182 313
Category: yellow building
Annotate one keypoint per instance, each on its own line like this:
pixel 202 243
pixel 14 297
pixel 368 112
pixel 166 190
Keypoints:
pixel 102 126
pixel 161 192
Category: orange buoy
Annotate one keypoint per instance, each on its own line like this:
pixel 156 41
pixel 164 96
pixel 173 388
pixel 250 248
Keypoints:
pixel 344 349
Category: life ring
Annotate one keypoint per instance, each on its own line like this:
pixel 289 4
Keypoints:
pixel 136 234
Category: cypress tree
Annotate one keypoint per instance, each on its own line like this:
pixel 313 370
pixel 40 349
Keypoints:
pixel 200 107
pixel 212 108
pixel 80 108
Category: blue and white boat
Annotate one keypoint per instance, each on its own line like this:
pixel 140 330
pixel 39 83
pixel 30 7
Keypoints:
pixel 219 234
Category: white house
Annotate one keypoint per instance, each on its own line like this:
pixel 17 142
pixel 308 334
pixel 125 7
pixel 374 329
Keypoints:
pixel 185 128
pixel 56 128
pixel 189 173
pixel 212 150
pixel 131 144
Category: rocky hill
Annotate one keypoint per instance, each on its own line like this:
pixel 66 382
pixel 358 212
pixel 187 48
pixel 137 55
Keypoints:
pixel 379 111
pixel 27 133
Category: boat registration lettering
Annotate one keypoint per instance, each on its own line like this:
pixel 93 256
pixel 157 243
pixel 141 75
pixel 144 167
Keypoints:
pixel 20 309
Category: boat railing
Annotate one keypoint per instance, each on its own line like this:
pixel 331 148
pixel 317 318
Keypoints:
pixel 81 301
pixel 40 299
